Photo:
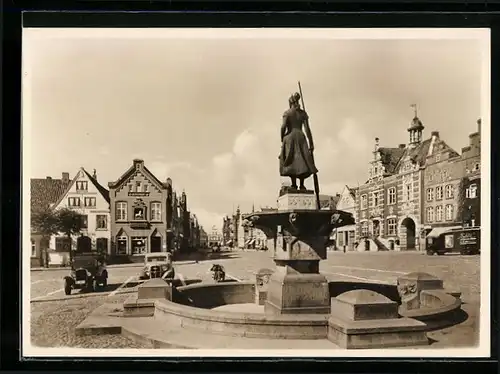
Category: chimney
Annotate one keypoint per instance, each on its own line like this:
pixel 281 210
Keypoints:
pixel 479 125
pixel 94 174
pixel 169 182
pixel 435 134
pixel 402 146
pixel 138 162
pixel 49 178
pixel 376 144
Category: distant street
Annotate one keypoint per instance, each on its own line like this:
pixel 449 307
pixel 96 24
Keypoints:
pixel 458 272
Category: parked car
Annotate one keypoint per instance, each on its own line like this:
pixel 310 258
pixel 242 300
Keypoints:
pixel 88 272
pixel 156 265
pixel 466 241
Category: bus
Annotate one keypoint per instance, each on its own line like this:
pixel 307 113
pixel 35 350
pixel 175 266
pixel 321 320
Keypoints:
pixel 465 240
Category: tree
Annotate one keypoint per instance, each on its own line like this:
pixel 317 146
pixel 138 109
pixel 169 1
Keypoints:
pixel 44 222
pixel 69 222
pixel 49 222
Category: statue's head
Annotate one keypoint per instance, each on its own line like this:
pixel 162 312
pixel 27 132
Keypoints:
pixel 294 99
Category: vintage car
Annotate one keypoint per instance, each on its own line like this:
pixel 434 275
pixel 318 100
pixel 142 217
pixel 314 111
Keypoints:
pixel 157 265
pixel 88 272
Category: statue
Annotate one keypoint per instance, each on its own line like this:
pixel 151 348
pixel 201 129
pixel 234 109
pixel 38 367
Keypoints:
pixel 296 159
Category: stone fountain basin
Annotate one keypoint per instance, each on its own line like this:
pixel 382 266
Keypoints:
pixel 192 308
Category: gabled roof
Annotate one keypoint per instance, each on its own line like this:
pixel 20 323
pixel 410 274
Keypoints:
pixel 390 158
pixel 45 192
pixel 104 192
pixel 131 170
pixel 352 191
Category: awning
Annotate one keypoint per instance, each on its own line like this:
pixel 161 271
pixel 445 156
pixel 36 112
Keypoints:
pixel 436 231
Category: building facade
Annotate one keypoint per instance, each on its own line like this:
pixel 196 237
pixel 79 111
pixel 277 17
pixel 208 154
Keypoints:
pixel 139 215
pixel 389 203
pixel 44 193
pixel 86 196
pixel 345 236
pixel 471 191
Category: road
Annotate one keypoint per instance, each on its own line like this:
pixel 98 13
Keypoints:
pixel 458 272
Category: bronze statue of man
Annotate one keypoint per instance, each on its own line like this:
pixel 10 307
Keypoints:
pixel 296 159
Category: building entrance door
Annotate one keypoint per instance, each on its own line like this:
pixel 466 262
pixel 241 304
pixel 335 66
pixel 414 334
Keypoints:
pixel 156 244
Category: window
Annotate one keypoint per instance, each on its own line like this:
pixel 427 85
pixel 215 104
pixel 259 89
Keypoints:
pixel 73 201
pixel 448 241
pixel 82 185
pixel 391 195
pixel 33 248
pixel 477 166
pixel 364 201
pixel 449 212
pixel 391 226
pixel 62 244
pixel 449 191
pixel 439 193
pixel 471 191
pixel 408 192
pixel 89 201
pixel 146 188
pixel 85 221
pixel 438 157
pixel 430 214
pixel 375 199
pixel 139 245
pixel 121 245
pixel 138 187
pixel 430 194
pixel 130 188
pixel 121 211
pixel 155 211
pixel 439 213
pixel 101 222
pixel 101 245
pixel 364 229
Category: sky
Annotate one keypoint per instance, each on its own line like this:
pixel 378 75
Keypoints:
pixel 207 111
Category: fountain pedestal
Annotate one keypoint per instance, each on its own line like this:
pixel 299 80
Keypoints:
pixel 298 234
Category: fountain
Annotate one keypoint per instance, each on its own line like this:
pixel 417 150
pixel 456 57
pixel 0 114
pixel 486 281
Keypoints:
pixel 293 306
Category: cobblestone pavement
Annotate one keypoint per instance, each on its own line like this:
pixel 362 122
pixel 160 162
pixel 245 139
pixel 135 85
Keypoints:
pixel 458 272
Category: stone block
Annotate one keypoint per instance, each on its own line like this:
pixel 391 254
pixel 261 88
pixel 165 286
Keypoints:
pixel 357 305
pixel 297 294
pixel 411 285
pixel 155 289
pixel 382 333
pixel 298 201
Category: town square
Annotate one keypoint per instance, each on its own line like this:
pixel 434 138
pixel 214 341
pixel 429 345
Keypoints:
pixel 332 204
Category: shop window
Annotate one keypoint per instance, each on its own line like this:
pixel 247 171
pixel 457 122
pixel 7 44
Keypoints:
pixel 139 245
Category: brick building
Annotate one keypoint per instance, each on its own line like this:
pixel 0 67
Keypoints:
pixel 470 209
pixel 389 203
